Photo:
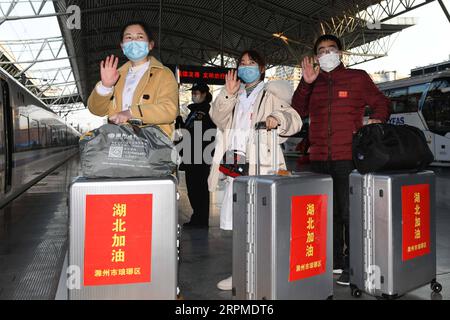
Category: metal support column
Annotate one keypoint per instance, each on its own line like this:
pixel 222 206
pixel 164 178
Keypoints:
pixel 222 63
pixel 160 27
pixel 445 10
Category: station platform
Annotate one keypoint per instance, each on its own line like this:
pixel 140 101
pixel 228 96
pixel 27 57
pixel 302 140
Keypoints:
pixel 34 233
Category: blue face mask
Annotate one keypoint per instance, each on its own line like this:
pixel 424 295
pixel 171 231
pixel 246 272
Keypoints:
pixel 135 50
pixel 249 74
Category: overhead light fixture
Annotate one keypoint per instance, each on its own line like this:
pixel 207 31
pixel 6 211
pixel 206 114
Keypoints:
pixel 281 36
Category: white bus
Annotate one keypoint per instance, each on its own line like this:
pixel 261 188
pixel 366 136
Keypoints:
pixel 424 102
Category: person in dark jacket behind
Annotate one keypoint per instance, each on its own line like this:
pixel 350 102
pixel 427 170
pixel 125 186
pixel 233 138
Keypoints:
pixel 334 97
pixel 195 166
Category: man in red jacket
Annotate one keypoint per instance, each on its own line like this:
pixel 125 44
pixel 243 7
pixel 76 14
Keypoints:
pixel 335 98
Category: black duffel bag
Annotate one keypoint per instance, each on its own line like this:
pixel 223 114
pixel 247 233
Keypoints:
pixel 387 147
pixel 127 151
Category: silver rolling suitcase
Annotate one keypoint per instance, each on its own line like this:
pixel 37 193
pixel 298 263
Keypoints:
pixel 392 233
pixel 282 236
pixel 123 239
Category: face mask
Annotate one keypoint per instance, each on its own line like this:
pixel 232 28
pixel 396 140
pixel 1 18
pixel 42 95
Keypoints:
pixel 249 74
pixel 328 62
pixel 135 50
pixel 197 99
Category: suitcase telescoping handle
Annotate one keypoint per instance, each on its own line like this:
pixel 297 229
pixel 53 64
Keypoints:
pixel 259 126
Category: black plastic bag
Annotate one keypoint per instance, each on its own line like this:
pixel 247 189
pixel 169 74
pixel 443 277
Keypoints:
pixel 387 147
pixel 126 151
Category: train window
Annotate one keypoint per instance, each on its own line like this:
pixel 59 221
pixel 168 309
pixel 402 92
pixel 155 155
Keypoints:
pixel 399 100
pixel 49 135
pixel 35 134
pixel 57 137
pixel 22 133
pixel 415 94
pixel 436 109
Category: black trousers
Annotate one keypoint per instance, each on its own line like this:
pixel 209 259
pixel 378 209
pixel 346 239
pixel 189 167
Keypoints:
pixel 339 171
pixel 198 193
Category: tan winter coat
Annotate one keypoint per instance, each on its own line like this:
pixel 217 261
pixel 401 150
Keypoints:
pixel 276 103
pixel 155 99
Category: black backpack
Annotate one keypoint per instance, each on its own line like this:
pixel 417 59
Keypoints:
pixel 387 147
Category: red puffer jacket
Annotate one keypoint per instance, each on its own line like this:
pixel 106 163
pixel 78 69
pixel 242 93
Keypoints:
pixel 335 104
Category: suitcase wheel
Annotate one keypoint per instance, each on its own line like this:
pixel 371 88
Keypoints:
pixel 436 287
pixel 356 293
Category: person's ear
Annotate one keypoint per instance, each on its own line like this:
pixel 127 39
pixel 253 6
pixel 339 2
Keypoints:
pixel 262 69
pixel 151 45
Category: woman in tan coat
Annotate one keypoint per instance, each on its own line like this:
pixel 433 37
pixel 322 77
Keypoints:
pixel 235 111
pixel 141 89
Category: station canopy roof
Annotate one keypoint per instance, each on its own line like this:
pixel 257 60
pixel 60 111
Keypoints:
pixel 197 32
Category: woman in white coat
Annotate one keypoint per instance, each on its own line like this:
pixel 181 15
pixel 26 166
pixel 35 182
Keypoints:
pixel 236 110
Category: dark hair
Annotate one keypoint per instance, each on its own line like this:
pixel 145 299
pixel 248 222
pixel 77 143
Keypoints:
pixel 209 97
pixel 255 56
pixel 327 37
pixel 144 26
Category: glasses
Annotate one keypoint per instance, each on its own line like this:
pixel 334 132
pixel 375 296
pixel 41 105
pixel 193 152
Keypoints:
pixel 323 51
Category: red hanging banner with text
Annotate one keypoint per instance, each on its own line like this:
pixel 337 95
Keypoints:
pixel 308 255
pixel 416 221
pixel 118 235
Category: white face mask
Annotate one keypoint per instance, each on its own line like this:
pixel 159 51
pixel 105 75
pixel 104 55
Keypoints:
pixel 328 62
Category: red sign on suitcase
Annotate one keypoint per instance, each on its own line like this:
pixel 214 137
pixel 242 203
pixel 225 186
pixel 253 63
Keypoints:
pixel 308 256
pixel 415 221
pixel 118 235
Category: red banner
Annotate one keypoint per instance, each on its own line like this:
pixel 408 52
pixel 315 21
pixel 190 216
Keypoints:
pixel 415 221
pixel 308 256
pixel 118 235
pixel 208 75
